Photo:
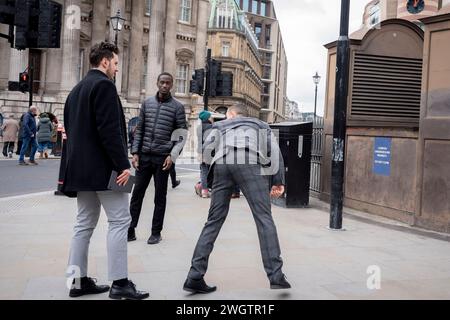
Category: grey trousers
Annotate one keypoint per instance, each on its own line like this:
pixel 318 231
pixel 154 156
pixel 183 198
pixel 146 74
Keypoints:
pixel 116 207
pixel 256 189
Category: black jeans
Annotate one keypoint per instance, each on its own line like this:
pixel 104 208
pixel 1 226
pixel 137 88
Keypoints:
pixel 8 147
pixel 150 167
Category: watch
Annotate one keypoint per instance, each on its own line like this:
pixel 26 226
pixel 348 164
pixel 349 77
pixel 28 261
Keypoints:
pixel 415 6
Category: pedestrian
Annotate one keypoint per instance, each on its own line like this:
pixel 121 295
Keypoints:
pixel 54 137
pixel 258 180
pixel 173 177
pixel 95 147
pixel 10 129
pixel 205 126
pixel 44 135
pixel 160 137
pixel 20 135
pixel 29 137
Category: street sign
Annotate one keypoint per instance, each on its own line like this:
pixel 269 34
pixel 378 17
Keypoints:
pixel 382 157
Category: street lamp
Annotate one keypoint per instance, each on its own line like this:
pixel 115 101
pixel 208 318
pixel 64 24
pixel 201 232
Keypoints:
pixel 316 80
pixel 117 23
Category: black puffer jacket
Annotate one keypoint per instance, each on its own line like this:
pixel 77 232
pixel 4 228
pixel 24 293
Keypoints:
pixel 157 122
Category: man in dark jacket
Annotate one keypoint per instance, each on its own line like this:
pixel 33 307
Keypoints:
pixel 246 154
pixel 160 137
pixel 29 137
pixel 96 146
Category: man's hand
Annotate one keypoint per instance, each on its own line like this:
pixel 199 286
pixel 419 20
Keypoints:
pixel 168 163
pixel 277 191
pixel 135 162
pixel 123 178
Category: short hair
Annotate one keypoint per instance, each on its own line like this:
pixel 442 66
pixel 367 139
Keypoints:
pixel 165 74
pixel 102 50
pixel 239 109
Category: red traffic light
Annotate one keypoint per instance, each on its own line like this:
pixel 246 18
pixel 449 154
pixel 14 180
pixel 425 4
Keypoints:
pixel 24 77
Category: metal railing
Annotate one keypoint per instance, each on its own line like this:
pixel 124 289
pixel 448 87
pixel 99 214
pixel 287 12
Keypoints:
pixel 316 156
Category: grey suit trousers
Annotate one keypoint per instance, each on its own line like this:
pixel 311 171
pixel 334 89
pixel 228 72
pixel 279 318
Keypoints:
pixel 116 207
pixel 256 189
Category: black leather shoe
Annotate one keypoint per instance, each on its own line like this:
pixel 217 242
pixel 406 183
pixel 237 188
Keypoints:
pixel 176 184
pixel 127 292
pixel 197 286
pixel 88 287
pixel 131 234
pixel 280 284
pixel 154 239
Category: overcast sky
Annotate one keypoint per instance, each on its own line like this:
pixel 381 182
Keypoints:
pixel 306 25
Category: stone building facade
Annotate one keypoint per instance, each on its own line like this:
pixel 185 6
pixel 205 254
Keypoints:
pixel 234 44
pixel 158 35
pixel 262 17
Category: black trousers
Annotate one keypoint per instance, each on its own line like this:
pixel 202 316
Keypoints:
pixel 149 168
pixel 8 147
pixel 173 174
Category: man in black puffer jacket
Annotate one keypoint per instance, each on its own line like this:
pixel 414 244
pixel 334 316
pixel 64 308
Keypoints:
pixel 160 137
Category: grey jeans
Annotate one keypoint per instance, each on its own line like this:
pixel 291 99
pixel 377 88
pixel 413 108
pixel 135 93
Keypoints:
pixel 116 207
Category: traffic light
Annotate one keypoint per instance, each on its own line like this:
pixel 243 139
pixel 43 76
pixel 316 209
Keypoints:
pixel 38 24
pixel 49 24
pixel 225 84
pixel 7 11
pixel 24 82
pixel 214 73
pixel 196 85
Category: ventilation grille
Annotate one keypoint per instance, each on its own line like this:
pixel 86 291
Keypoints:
pixel 386 89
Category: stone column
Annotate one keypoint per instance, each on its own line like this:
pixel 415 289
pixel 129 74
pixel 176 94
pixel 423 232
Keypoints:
pixel 18 62
pixel 100 16
pixel 43 75
pixel 155 60
pixel 118 5
pixel 5 52
pixel 170 64
pixel 71 45
pixel 202 32
pixel 136 60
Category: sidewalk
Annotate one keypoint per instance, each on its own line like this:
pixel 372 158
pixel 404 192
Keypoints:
pixel 35 234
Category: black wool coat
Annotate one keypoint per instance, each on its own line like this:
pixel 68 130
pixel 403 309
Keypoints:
pixel 96 136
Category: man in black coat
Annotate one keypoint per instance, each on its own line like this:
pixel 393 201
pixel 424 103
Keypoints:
pixel 96 146
pixel 160 137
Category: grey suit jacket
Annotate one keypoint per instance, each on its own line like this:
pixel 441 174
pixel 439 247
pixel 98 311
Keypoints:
pixel 248 135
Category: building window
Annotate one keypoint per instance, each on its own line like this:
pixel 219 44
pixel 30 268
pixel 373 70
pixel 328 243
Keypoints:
pixel 148 7
pixel 224 17
pixel 258 30
pixel 263 9
pixel 245 5
pixel 226 49
pixel 374 15
pixel 185 12
pixel 182 78
pixel 144 73
pixel 254 8
pixel 81 65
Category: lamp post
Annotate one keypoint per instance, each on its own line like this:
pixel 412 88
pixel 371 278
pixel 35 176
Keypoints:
pixel 316 80
pixel 117 23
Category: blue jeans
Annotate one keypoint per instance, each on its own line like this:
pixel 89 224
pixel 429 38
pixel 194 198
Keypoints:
pixel 25 144
pixel 43 146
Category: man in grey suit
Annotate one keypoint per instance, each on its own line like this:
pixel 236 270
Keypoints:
pixel 245 153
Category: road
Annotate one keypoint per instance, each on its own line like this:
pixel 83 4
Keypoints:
pixel 19 180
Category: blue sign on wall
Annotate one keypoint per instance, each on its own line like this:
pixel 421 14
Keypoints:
pixel 382 156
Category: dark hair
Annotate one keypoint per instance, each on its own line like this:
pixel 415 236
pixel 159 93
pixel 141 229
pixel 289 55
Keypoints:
pixel 165 74
pixel 100 51
pixel 239 109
